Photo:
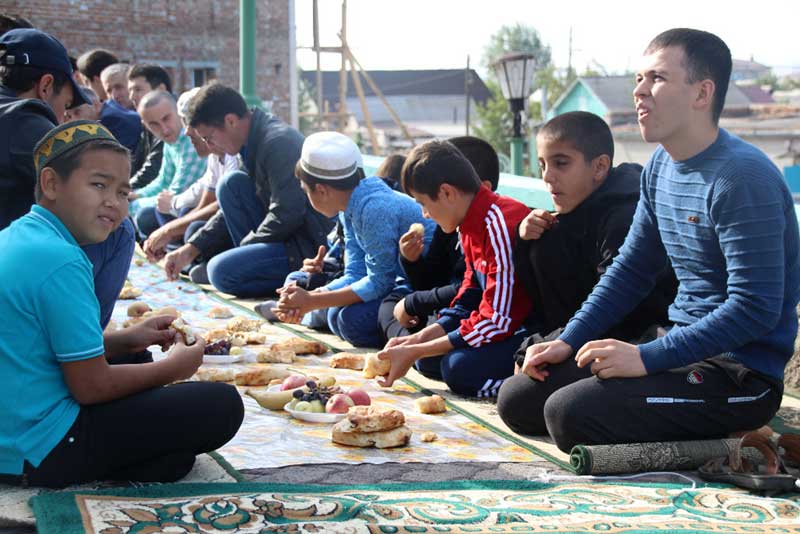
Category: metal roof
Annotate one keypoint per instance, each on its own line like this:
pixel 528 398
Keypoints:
pixel 403 82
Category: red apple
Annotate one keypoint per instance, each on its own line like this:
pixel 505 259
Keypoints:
pixel 360 397
pixel 339 403
pixel 293 381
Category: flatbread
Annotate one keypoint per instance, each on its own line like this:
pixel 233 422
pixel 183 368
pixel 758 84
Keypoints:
pixel 243 324
pixel 347 360
pixel 215 374
pixel 343 433
pixel 374 418
pixel 301 346
pixel 260 376
pixel 185 330
pixel 217 334
pixel 275 356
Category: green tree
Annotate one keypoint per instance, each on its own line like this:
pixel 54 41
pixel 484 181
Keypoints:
pixel 494 119
pixel 305 104
pixel 517 38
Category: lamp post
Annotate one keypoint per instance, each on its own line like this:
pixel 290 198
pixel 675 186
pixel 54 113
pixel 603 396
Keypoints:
pixel 515 73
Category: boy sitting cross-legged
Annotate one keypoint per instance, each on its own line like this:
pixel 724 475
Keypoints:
pixel 373 217
pixel 473 355
pixel 75 418
pixel 561 256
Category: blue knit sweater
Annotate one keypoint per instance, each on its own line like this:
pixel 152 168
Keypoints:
pixel 375 218
pixel 725 220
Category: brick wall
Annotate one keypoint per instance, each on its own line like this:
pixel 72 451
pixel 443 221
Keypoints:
pixel 181 35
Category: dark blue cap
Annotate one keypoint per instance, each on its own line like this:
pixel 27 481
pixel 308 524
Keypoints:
pixel 34 48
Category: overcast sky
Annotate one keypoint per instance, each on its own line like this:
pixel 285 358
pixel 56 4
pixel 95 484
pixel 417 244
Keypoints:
pixel 429 34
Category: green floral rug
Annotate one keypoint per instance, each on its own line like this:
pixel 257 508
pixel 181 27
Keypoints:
pixel 455 507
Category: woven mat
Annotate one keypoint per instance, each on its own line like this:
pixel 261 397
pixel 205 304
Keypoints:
pixel 15 511
pixel 489 506
pixel 273 439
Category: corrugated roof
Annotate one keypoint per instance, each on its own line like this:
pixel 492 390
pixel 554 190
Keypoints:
pixel 403 82
pixel 756 95
pixel 616 93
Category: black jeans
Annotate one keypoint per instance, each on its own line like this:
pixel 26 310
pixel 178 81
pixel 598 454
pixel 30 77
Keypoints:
pixel 708 399
pixel 152 436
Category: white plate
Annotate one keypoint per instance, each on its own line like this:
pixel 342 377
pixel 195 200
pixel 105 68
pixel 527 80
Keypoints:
pixel 313 417
pixel 221 358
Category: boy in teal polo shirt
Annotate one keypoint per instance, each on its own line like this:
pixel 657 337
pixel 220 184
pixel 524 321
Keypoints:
pixel 70 417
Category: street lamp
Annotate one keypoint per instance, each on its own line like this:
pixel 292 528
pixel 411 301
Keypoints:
pixel 515 73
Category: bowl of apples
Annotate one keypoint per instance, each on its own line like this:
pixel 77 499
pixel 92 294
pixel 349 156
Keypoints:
pixel 323 403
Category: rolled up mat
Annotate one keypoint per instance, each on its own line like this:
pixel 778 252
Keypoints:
pixel 643 457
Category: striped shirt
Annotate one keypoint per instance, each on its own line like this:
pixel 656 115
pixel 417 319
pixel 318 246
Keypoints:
pixel 725 221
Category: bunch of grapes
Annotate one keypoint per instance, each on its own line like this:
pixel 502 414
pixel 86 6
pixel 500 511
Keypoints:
pixel 316 392
pixel 218 348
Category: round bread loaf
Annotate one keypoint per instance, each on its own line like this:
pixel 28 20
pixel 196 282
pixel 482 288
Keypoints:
pixel 344 434
pixel 374 418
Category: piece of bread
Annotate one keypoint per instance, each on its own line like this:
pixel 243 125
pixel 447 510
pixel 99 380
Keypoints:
pixel 255 338
pixel 184 330
pixel 129 292
pixel 220 312
pixel 375 367
pixel 347 360
pixel 432 404
pixel 374 418
pixel 217 334
pixel 137 309
pixel 166 310
pixel 427 437
pixel 417 228
pixel 344 433
pixel 301 346
pixel 215 374
pixel 260 376
pixel 275 356
pixel 243 324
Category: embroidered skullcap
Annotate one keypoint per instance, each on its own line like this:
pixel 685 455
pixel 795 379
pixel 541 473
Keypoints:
pixel 66 137
pixel 330 156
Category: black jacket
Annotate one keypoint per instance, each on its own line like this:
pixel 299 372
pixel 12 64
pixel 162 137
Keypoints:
pixel 271 153
pixel 146 162
pixel 23 122
pixel 443 264
pixel 560 269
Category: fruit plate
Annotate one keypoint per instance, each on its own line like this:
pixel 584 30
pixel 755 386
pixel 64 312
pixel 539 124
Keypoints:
pixel 221 358
pixel 315 417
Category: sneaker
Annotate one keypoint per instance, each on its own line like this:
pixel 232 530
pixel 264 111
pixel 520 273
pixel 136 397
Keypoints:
pixel 199 273
pixel 264 309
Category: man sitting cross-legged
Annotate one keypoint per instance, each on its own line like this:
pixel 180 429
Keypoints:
pixel 719 212
pixel 180 168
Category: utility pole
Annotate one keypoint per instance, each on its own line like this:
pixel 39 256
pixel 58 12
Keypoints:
pixel 343 72
pixel 467 92
pixel 569 58
pixel 319 65
pixel 247 52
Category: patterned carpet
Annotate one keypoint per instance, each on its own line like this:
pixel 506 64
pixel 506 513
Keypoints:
pixel 491 506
